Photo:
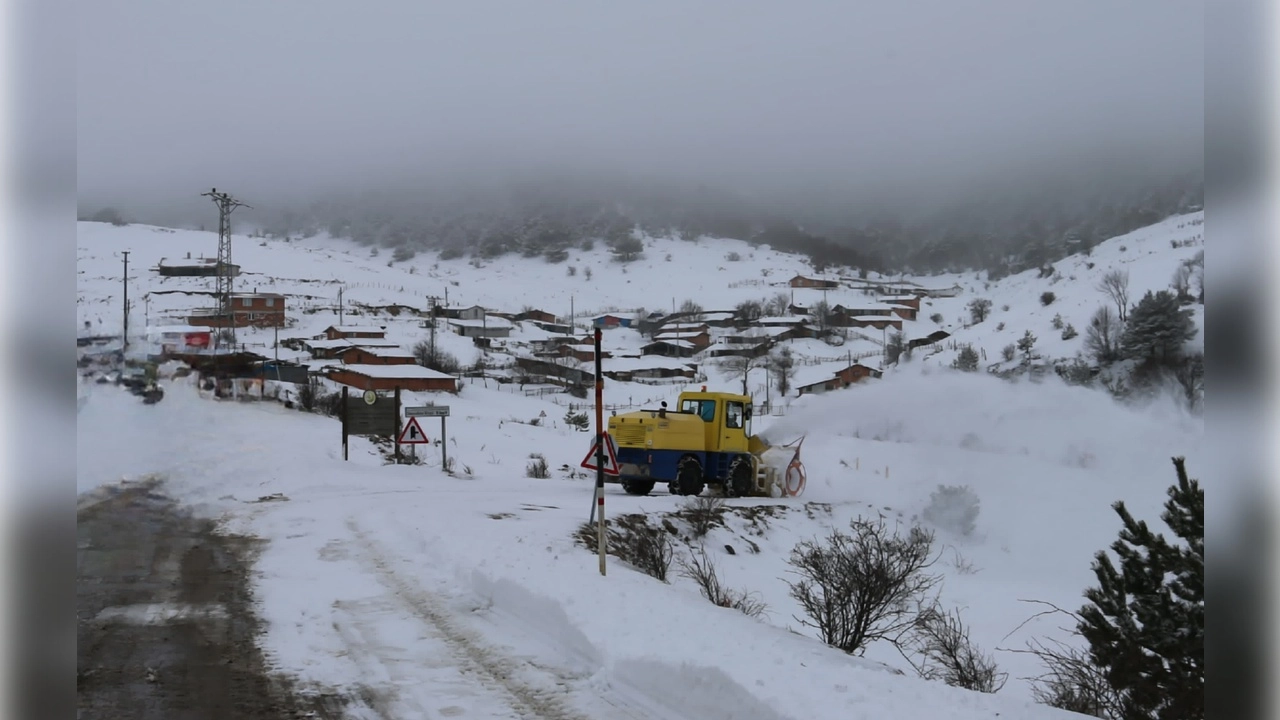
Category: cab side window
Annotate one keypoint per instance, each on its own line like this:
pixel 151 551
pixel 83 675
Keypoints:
pixel 708 411
pixel 733 415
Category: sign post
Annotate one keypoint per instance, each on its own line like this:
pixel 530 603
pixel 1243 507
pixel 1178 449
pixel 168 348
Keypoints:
pixel 412 436
pixel 440 411
pixel 602 440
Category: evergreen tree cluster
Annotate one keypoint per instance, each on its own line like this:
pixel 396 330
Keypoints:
pixel 1144 621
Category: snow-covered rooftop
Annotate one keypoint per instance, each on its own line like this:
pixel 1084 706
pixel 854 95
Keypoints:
pixel 674 342
pixel 408 372
pixel 386 352
pixel 490 322
pixel 351 342
pixel 677 335
pixel 648 362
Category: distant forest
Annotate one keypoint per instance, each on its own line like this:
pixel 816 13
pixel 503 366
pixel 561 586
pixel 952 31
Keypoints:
pixel 548 219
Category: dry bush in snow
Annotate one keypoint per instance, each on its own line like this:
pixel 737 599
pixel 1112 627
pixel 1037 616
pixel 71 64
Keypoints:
pixel 537 467
pixel 865 585
pixel 631 539
pixel 699 568
pixel 947 654
pixel 953 508
pixel 703 513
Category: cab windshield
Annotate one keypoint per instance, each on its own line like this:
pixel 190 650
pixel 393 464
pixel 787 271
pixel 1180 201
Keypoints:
pixel 705 409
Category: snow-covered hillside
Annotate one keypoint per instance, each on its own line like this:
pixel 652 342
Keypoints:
pixel 373 573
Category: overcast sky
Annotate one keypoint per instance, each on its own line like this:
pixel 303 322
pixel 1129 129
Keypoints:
pixel 256 96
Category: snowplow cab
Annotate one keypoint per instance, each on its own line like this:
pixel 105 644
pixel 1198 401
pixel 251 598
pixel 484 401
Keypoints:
pixel 704 440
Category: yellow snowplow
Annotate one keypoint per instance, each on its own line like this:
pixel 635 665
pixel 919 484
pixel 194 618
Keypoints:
pixel 705 442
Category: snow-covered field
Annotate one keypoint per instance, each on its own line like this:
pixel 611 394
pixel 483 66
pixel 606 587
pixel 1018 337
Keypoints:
pixel 466 595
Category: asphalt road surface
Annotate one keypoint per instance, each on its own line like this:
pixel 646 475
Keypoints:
pixel 165 623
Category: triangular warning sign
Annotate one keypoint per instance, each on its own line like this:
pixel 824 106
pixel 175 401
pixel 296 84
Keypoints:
pixel 412 433
pixel 610 455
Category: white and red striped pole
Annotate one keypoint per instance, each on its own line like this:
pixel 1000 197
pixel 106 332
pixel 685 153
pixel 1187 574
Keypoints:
pixel 600 450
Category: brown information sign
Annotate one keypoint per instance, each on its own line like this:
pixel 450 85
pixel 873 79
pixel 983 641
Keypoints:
pixel 380 418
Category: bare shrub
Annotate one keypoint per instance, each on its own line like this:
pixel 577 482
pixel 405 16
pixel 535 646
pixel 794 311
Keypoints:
pixel 947 654
pixel 537 467
pixel 631 539
pixel 863 586
pixel 703 513
pixel 1072 682
pixel 1047 297
pixel 1071 679
pixel 308 395
pixel 1102 337
pixel 699 568
pixel 1008 352
pixel 436 359
pixel 953 508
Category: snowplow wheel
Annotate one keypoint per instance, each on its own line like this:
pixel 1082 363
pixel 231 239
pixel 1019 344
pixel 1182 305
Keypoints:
pixel 794 478
pixel 637 487
pixel 689 477
pixel 741 477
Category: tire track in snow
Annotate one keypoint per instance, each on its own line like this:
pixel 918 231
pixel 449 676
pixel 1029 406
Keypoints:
pixel 494 669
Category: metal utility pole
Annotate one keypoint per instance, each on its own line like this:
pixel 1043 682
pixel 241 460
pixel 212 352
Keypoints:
pixel 223 270
pixel 125 334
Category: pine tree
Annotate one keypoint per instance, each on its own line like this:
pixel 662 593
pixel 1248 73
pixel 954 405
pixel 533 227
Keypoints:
pixel 1145 621
pixel 967 360
pixel 1157 327
pixel 1026 346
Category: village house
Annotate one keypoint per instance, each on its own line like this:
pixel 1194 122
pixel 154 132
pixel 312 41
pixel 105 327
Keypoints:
pixel 347 332
pixel 410 378
pixel 475 312
pixel 647 368
pixel 247 310
pixel 583 352
pixel 556 328
pixel 541 316
pixel 685 327
pixel 200 267
pixel 610 321
pixel 843 378
pixel 489 327
pixel 879 322
pixel 699 339
pixel 911 301
pixel 932 338
pixel 561 371
pixel 670 348
pixel 356 355
pixel 953 291
pixel 863 310
pixel 800 281
pixel 170 339
pixel 550 344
